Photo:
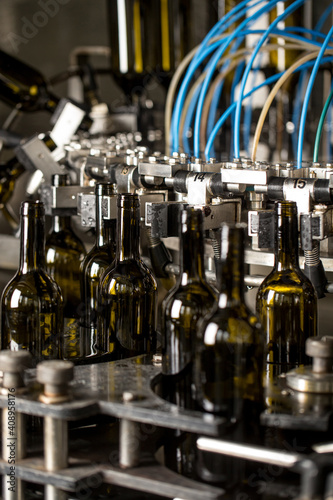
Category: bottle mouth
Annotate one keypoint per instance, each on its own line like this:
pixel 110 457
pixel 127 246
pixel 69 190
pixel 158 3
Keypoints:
pixel 128 200
pixel 232 232
pixel 191 218
pixel 60 180
pixel 287 208
pixel 105 189
pixel 32 208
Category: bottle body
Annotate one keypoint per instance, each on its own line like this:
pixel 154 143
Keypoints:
pixel 31 304
pixel 95 263
pixel 127 290
pixel 286 300
pixel 64 254
pixel 225 385
pixel 229 361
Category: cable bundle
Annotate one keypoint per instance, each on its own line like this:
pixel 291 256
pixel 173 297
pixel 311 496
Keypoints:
pixel 193 101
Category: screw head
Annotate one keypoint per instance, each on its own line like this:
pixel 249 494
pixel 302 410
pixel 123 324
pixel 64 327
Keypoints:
pixel 15 361
pixel 320 347
pixel 55 372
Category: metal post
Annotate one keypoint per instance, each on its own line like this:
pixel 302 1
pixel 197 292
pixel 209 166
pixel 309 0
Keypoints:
pixel 55 375
pixel 13 364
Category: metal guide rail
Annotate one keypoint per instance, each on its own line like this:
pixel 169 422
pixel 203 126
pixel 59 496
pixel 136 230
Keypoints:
pixel 122 453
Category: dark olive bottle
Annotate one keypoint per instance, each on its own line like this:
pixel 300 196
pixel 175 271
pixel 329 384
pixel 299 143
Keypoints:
pixel 228 372
pixel 24 86
pixel 93 266
pixel 127 291
pixel 286 299
pixel 185 304
pixel 31 303
pixel 64 253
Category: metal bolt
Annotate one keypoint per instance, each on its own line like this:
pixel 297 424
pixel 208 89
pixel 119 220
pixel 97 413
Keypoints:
pixel 321 350
pixel 13 364
pixel 55 375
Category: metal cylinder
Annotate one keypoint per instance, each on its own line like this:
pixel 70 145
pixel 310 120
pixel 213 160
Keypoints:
pixel 13 364
pixel 55 432
pixel 129 442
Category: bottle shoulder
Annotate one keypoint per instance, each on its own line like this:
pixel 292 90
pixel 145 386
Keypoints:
pixel 288 281
pixel 131 272
pixel 196 292
pixel 97 257
pixel 65 240
pixel 231 324
pixel 34 283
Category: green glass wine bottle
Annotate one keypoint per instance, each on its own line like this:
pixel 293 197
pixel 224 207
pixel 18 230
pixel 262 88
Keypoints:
pixel 24 86
pixel 93 266
pixel 228 373
pixel 127 290
pixel 286 300
pixel 64 253
pixel 185 304
pixel 31 303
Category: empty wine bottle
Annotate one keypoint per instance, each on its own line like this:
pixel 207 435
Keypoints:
pixel 31 303
pixel 286 300
pixel 93 266
pixel 24 86
pixel 229 359
pixel 64 254
pixel 185 304
pixel 127 291
pixel 26 89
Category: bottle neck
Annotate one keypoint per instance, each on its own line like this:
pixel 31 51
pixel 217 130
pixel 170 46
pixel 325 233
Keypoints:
pixel 231 267
pixel 128 233
pixel 192 248
pixel 32 244
pixel 104 227
pixel 286 246
pixel 61 223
